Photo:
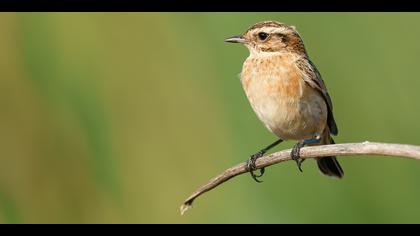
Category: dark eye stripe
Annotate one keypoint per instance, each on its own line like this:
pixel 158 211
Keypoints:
pixel 283 37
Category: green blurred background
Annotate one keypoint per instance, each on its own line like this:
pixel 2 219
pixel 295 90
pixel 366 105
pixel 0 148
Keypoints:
pixel 117 118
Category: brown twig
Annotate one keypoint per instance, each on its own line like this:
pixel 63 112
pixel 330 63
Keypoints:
pixel 348 149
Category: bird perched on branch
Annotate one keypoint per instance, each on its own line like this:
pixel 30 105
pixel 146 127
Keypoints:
pixel 286 92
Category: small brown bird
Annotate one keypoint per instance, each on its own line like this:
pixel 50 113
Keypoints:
pixel 286 92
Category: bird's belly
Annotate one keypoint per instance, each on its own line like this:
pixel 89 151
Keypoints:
pixel 290 111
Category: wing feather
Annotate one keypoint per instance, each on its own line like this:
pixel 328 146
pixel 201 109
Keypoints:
pixel 314 79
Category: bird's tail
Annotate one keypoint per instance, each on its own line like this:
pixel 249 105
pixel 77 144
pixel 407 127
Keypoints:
pixel 329 165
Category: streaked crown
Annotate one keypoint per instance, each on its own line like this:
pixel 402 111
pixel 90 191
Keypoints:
pixel 271 36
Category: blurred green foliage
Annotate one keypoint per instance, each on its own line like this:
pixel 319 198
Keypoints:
pixel 116 118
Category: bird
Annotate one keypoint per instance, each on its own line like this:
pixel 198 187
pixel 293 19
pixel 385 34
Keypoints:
pixel 287 93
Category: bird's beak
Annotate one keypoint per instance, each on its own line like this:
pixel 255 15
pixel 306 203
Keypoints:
pixel 235 39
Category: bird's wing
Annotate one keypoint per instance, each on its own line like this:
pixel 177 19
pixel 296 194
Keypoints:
pixel 314 79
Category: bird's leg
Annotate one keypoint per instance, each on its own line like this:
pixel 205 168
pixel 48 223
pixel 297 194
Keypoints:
pixel 251 167
pixel 295 154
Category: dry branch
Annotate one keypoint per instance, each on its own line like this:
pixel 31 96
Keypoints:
pixel 348 149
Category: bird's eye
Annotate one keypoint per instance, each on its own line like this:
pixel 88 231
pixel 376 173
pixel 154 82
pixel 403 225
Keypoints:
pixel 262 35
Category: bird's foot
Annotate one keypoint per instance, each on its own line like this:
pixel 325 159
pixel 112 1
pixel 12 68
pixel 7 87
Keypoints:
pixel 295 154
pixel 251 167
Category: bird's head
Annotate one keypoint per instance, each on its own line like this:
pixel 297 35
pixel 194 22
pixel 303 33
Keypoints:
pixel 270 36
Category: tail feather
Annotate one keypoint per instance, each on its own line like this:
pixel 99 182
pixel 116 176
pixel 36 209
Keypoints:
pixel 329 165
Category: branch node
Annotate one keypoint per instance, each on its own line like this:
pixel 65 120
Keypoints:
pixel 185 207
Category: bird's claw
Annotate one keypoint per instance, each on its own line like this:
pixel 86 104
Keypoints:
pixel 251 167
pixel 295 154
